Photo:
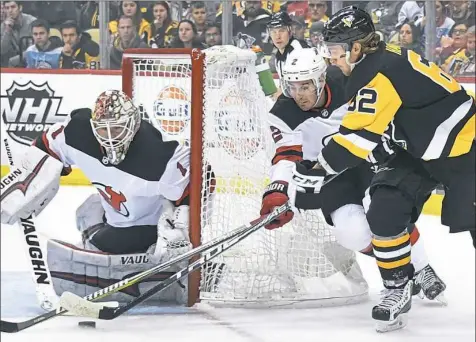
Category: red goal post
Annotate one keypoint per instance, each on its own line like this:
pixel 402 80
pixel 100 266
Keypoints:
pixel 197 61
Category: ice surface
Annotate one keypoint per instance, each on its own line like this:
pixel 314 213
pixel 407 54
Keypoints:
pixel 452 256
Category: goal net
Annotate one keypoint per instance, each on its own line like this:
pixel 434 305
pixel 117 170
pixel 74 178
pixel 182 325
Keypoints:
pixel 213 101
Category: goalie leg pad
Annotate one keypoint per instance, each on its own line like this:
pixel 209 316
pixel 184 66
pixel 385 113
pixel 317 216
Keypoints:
pixel 83 272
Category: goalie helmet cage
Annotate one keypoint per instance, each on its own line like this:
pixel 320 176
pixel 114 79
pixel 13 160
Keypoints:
pixel 212 99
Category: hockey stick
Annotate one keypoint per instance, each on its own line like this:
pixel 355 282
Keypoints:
pixel 83 307
pixel 40 272
pixel 12 327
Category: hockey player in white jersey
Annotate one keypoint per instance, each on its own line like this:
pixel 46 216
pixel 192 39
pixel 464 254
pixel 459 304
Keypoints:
pixel 300 124
pixel 139 179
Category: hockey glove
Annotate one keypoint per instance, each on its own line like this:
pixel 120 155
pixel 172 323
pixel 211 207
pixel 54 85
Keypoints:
pixel 172 234
pixel 276 194
pixel 308 180
pixel 381 155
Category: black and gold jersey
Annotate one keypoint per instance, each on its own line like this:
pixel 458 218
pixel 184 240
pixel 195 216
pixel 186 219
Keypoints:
pixel 396 94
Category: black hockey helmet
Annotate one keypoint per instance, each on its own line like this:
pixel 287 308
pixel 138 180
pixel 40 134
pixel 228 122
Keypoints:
pixel 348 25
pixel 279 19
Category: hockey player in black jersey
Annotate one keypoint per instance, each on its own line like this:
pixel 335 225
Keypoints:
pixel 139 215
pixel 280 30
pixel 301 124
pixel 396 95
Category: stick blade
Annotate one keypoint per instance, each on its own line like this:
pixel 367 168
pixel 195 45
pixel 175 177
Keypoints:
pixel 8 327
pixel 82 307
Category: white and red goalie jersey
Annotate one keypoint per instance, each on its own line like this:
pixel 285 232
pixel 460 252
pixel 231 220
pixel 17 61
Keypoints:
pixel 131 192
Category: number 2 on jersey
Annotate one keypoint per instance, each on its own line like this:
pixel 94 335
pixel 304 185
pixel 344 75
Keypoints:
pixel 433 72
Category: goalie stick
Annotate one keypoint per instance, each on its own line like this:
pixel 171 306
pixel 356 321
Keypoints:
pixel 81 306
pixel 12 327
pixel 40 272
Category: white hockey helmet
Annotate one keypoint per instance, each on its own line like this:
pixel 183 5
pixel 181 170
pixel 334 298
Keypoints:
pixel 304 65
pixel 115 120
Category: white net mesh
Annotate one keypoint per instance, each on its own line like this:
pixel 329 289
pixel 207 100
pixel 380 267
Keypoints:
pixel 298 263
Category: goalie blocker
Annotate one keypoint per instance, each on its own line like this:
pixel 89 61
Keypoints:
pixel 28 188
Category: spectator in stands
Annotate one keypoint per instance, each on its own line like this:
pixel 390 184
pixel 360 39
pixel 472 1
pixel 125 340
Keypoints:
pixel 212 8
pixel 3 13
pixel 411 11
pixel 131 9
pixel 187 36
pixel 44 53
pixel 213 35
pixel 317 11
pixel 13 30
pixel 255 20
pixel 79 50
pixel 410 37
pixel 454 44
pixel 88 16
pixel 54 12
pixel 237 21
pixel 315 33
pixel 299 28
pixel 462 11
pixel 384 15
pixel 163 29
pixel 239 7
pixel 443 22
pixel 463 63
pixel 296 8
pixel 127 37
pixel 199 17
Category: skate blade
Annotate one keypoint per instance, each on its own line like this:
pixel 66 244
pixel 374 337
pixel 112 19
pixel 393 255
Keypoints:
pixel 442 299
pixel 420 295
pixel 399 323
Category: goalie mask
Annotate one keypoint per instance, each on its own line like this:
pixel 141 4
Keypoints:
pixel 172 111
pixel 304 77
pixel 115 121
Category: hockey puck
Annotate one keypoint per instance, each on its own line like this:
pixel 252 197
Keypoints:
pixel 87 324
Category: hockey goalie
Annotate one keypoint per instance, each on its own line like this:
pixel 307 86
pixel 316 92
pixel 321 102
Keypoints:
pixel 139 216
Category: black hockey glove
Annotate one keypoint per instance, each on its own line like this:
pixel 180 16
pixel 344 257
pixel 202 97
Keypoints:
pixel 308 182
pixel 381 155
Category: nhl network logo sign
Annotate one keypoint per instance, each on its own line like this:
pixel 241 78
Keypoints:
pixel 29 109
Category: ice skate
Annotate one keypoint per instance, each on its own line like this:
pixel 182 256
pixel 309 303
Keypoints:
pixel 391 313
pixel 431 285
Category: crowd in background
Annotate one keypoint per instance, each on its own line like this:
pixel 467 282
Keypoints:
pixel 65 34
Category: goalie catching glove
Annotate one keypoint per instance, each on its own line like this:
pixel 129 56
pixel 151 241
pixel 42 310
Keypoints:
pixel 275 195
pixel 172 233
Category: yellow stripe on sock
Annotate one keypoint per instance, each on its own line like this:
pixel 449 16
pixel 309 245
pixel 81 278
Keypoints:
pixel 391 243
pixel 393 264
